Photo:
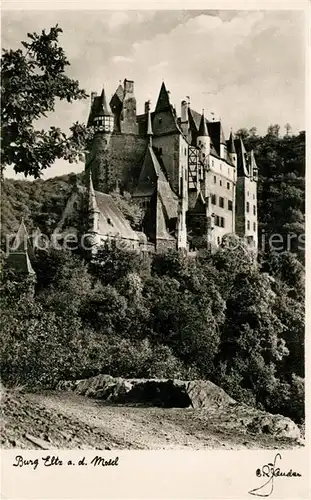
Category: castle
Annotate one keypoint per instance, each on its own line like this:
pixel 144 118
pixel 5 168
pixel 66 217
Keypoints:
pixel 192 184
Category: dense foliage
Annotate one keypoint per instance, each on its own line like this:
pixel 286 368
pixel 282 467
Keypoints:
pixel 172 316
pixel 33 78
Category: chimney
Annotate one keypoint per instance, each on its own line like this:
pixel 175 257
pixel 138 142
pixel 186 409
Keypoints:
pixel 128 86
pixel 184 117
pixel 147 107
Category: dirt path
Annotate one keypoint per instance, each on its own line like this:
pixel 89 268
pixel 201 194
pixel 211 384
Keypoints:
pixel 66 420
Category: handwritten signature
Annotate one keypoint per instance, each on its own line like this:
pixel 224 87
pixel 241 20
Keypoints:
pixel 270 471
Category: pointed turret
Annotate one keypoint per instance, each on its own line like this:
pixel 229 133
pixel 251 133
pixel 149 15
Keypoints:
pixel 253 169
pixel 203 128
pixel 100 116
pixel 163 102
pixel 103 108
pixel 203 141
pixel 232 150
pixel 230 143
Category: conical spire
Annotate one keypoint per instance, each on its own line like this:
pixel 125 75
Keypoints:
pixel 163 102
pixel 231 146
pixel 103 104
pixel 203 129
pixel 92 198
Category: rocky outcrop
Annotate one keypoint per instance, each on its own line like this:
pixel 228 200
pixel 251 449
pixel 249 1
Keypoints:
pixel 195 394
pixel 156 392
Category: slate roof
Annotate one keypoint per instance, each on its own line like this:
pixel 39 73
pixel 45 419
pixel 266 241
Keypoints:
pixel 169 199
pixel 111 220
pixel 163 102
pixel 203 129
pixel 242 169
pixel 99 107
pixel 230 144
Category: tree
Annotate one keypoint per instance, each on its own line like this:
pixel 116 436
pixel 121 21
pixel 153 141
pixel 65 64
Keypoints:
pixel 33 78
pixel 288 129
pixel 273 130
pixel 242 133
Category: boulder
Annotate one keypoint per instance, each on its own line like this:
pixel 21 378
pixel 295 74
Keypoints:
pixel 156 392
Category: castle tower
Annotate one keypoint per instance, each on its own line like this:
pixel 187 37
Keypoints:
pixel 102 122
pixel 128 115
pixel 232 151
pixel 246 196
pixel 203 141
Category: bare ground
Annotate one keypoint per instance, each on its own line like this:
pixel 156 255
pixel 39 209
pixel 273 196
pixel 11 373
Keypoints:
pixel 66 420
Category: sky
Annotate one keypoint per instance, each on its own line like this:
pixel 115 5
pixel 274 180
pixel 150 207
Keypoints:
pixel 246 67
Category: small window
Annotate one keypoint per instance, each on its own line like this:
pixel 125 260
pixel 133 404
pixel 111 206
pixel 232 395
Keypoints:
pixel 254 209
pixel 254 226
pixel 185 151
pixel 218 240
pixel 248 225
pixel 247 207
pixel 216 220
pixel 212 163
pixel 221 202
pixel 247 193
pixel 222 222
pixel 160 120
pixel 215 179
pixel 220 182
pixel 220 166
pixel 253 196
pixel 228 185
pixel 213 199
pixel 230 207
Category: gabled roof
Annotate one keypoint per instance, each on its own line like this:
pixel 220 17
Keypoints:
pixel 169 199
pixel 151 172
pixel 112 222
pixel 163 102
pixel 18 258
pixel 120 92
pixel 20 242
pixel 196 118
